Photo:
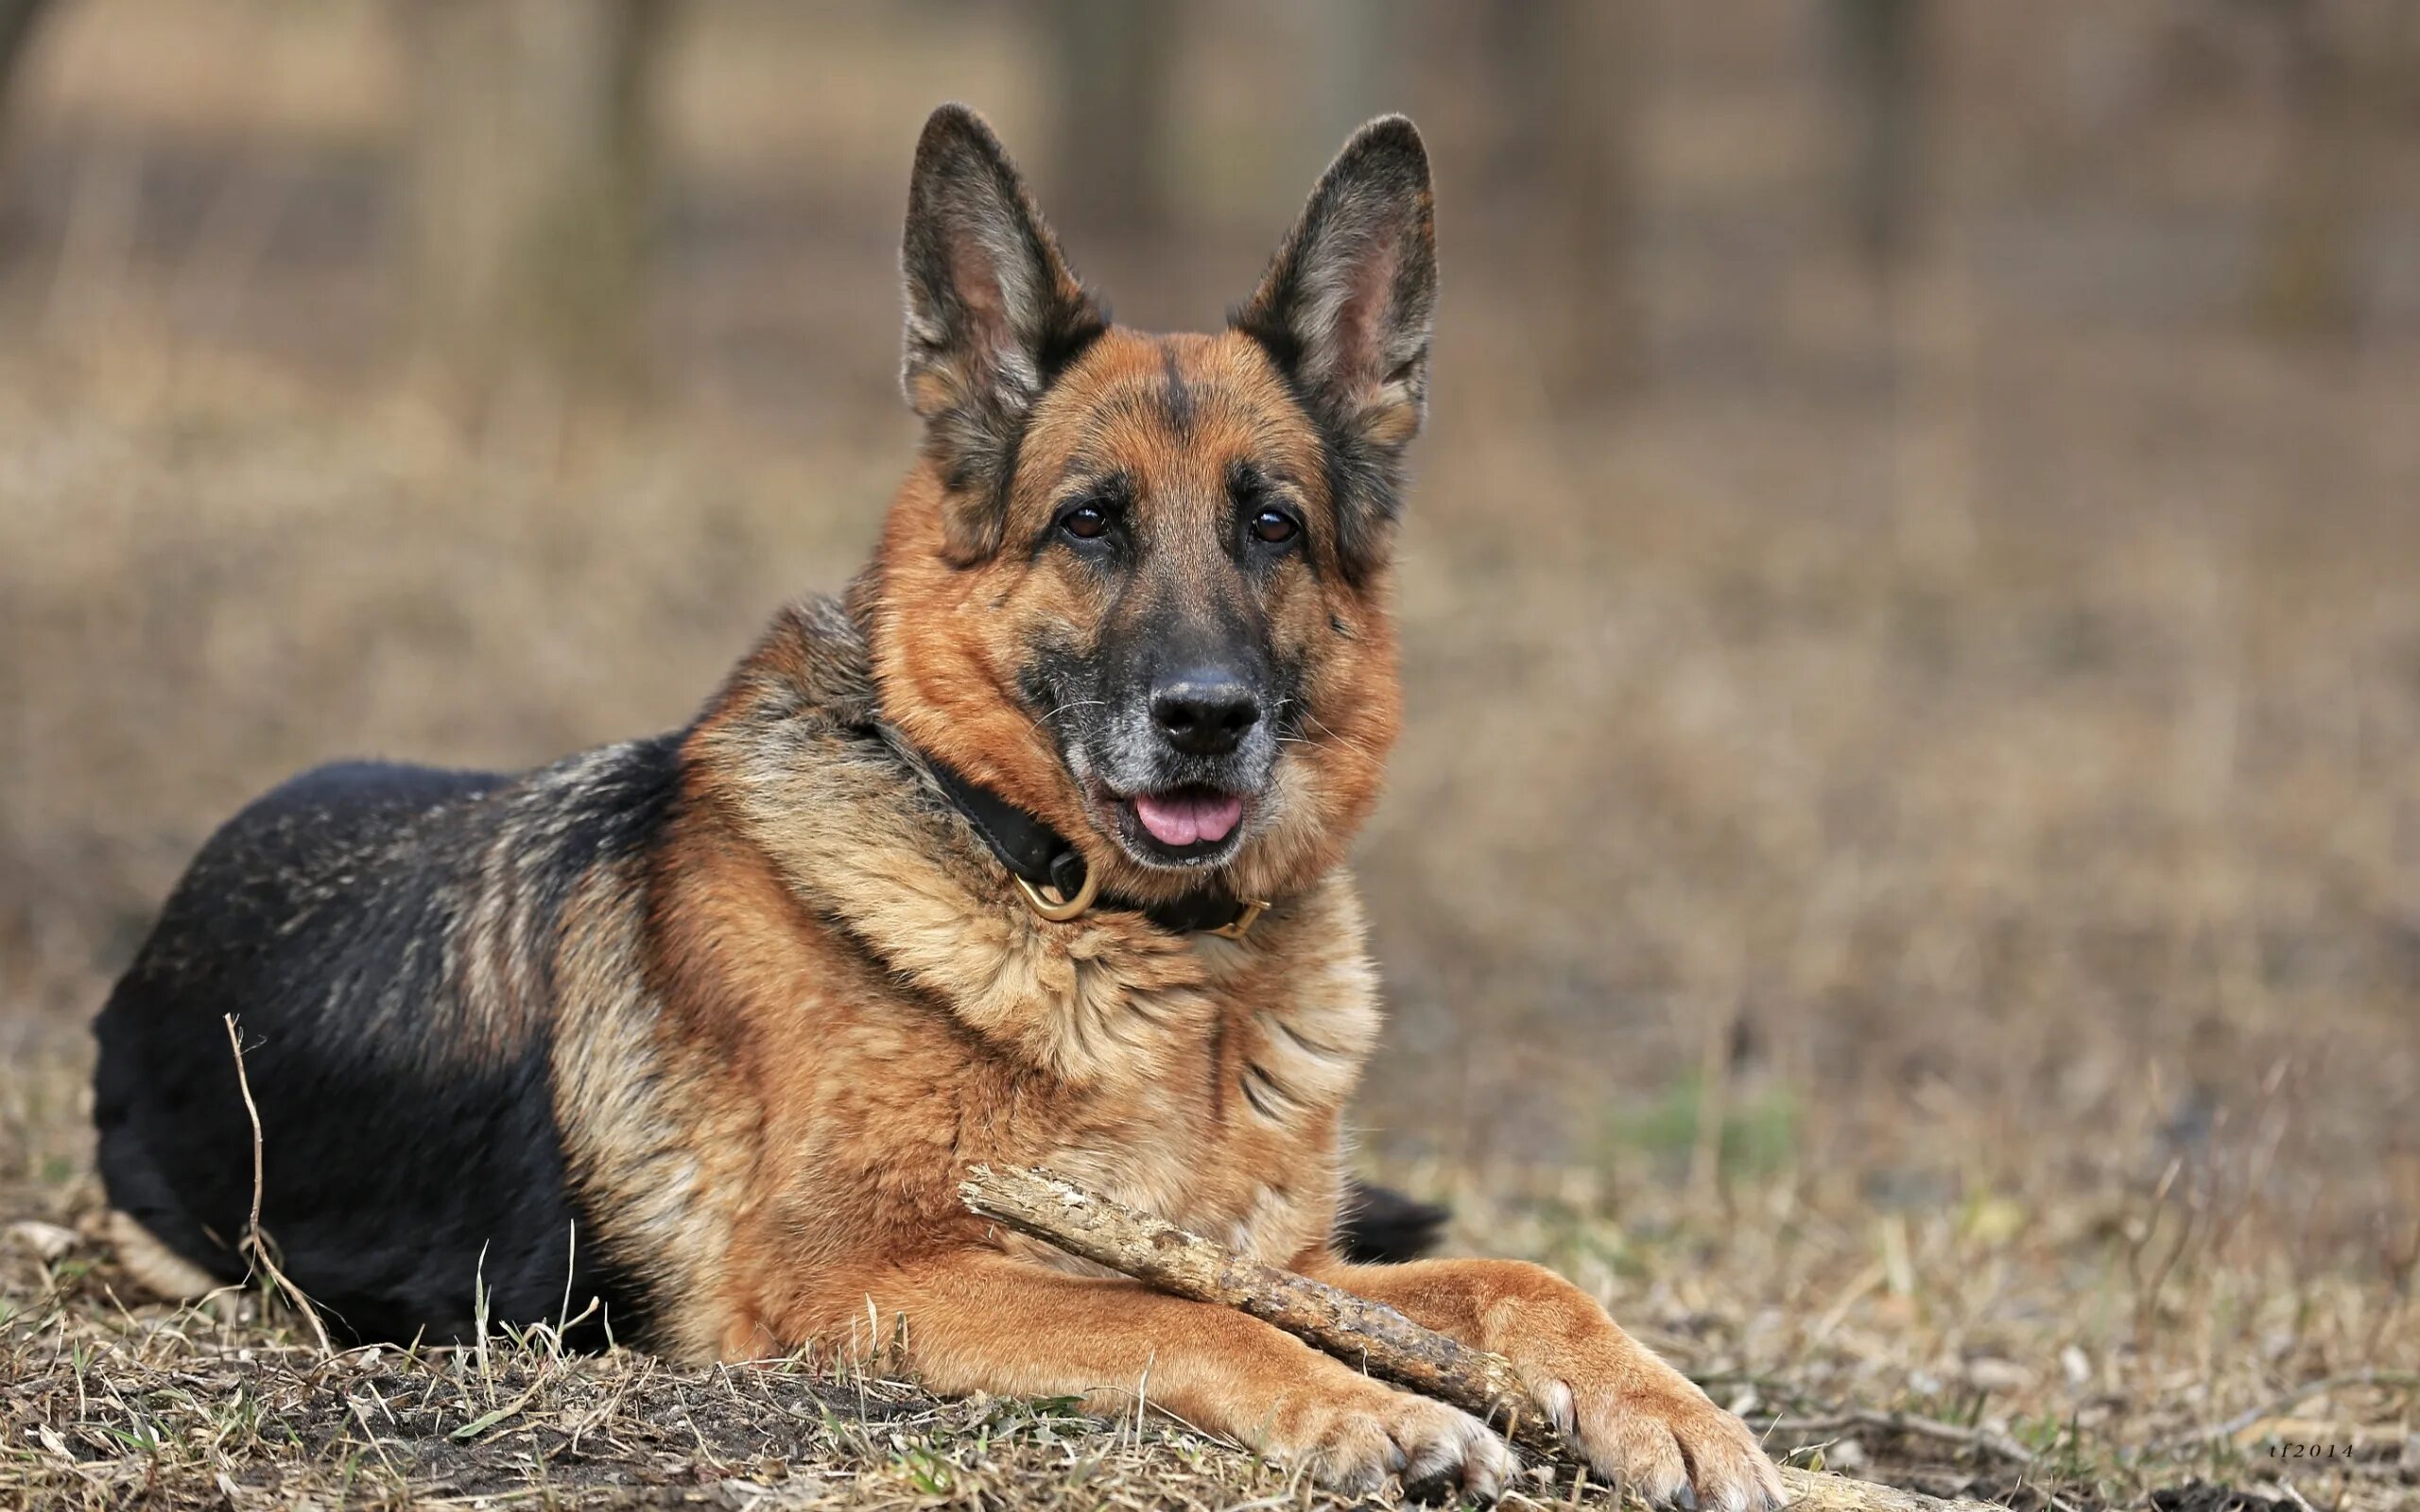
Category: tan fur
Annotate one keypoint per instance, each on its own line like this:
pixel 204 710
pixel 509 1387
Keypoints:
pixel 153 1266
pixel 941 1024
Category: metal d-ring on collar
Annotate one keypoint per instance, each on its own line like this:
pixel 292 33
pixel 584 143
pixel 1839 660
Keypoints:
pixel 1051 876
pixel 1058 913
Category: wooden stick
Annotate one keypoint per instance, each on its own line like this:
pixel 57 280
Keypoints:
pixel 1361 1332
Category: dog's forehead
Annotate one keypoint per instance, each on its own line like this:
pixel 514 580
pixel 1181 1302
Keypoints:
pixel 1174 408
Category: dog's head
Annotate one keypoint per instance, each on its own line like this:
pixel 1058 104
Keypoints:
pixel 1140 584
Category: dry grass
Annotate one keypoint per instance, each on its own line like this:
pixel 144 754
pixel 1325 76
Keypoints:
pixel 1909 889
pixel 107 1404
pixel 184 1411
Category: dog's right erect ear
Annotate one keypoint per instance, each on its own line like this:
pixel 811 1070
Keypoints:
pixel 993 315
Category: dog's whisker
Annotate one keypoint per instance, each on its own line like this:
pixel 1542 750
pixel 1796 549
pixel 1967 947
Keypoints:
pixel 1336 742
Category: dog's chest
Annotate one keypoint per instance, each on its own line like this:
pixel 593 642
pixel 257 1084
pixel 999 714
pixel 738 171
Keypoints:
pixel 1232 1131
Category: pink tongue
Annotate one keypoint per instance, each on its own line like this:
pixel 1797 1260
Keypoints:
pixel 1183 818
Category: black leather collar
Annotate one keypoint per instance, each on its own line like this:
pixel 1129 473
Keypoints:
pixel 1043 858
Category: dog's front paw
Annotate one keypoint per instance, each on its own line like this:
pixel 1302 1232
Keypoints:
pixel 1353 1442
pixel 1665 1439
pixel 1642 1424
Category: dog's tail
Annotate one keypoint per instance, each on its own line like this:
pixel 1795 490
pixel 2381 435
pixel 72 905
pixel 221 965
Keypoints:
pixel 1379 1225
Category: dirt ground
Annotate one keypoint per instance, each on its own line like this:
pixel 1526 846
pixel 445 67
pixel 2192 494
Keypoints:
pixel 1903 874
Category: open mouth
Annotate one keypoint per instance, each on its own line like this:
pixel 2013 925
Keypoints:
pixel 1184 823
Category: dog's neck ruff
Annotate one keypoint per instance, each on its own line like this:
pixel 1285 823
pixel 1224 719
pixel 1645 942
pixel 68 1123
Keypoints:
pixel 1040 856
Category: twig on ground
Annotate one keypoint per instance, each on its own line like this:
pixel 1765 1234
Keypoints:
pixel 1377 1339
pixel 2282 1402
pixel 253 1247
pixel 1988 1440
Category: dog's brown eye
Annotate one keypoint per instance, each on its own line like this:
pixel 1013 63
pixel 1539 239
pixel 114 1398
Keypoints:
pixel 1084 522
pixel 1272 526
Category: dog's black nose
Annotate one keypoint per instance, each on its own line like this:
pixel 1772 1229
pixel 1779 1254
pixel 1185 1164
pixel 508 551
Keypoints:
pixel 1204 713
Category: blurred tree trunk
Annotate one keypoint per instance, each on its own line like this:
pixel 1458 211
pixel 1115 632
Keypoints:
pixel 1878 44
pixel 1567 80
pixel 17 18
pixel 2304 283
pixel 1115 62
pixel 530 161
pixel 1911 248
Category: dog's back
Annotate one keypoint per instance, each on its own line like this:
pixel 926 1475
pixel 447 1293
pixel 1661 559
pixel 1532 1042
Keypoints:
pixel 371 929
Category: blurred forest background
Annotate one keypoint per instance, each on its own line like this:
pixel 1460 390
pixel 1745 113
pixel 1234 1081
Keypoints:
pixel 1912 636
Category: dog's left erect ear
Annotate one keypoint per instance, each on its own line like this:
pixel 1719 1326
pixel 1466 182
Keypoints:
pixel 993 314
pixel 1344 310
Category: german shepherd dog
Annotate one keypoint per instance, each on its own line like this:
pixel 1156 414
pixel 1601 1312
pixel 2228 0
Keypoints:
pixel 1027 850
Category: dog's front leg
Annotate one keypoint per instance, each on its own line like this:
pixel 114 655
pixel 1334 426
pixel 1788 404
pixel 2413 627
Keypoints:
pixel 986 1322
pixel 1640 1420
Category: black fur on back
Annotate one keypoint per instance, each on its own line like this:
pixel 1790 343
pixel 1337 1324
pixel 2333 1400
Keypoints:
pixel 411 1148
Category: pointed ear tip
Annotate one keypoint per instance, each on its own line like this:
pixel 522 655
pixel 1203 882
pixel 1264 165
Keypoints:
pixel 1392 137
pixel 953 114
pixel 954 125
